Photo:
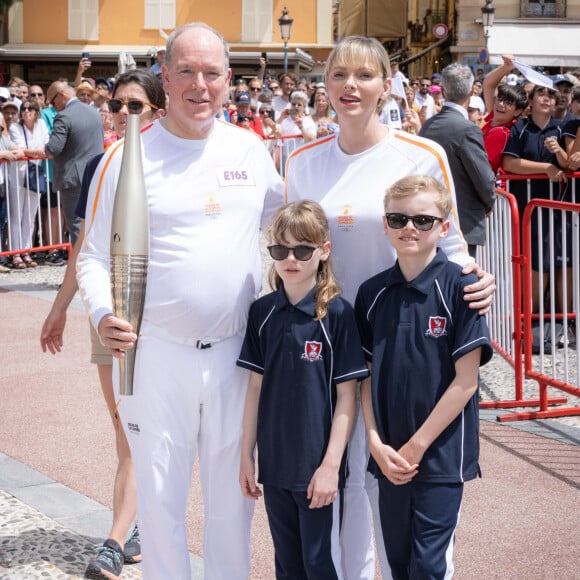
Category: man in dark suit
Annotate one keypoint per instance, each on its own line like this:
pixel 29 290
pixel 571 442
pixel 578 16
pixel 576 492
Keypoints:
pixel 77 135
pixel 463 143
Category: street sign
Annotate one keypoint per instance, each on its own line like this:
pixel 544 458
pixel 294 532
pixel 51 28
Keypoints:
pixel 483 57
pixel 440 31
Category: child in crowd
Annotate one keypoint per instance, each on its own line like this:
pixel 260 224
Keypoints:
pixel 420 403
pixel 304 352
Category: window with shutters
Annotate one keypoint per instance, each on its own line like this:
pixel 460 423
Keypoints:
pixel 83 19
pixel 256 21
pixel 160 14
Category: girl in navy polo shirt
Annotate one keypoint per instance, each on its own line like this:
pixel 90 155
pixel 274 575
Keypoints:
pixel 304 354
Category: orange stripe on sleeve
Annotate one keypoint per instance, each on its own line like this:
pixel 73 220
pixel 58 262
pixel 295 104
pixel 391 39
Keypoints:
pixel 427 147
pixel 101 176
pixel 297 152
pixel 431 150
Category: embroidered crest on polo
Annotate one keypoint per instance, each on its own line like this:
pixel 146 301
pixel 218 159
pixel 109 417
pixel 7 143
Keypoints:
pixel 437 326
pixel 312 350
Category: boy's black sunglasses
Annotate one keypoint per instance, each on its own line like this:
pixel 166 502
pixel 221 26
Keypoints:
pixel 301 253
pixel 134 107
pixel 423 223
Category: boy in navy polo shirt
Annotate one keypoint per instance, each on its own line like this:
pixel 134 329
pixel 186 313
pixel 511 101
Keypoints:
pixel 420 404
pixel 305 355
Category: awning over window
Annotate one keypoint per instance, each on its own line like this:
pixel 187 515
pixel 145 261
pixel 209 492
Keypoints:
pixel 546 44
pixel 16 53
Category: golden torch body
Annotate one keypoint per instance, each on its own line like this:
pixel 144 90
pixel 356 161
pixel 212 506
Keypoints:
pixel 130 246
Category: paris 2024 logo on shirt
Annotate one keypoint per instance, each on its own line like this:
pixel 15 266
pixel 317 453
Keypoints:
pixel 437 326
pixel 312 350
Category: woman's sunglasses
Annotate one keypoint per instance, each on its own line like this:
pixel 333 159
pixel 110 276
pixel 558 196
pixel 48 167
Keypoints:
pixel 423 223
pixel 134 107
pixel 301 253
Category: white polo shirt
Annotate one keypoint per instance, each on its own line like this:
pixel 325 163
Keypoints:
pixel 207 199
pixel 351 189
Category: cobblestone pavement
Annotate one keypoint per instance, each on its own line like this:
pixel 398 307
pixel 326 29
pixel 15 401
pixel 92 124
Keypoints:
pixel 32 545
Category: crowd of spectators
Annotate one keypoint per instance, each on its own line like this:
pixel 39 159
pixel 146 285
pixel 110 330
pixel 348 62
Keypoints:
pixel 526 129
pixel 284 109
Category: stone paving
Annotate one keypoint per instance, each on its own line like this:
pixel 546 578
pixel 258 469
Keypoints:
pixel 32 545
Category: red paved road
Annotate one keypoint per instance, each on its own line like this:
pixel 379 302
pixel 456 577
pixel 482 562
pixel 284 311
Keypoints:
pixel 520 521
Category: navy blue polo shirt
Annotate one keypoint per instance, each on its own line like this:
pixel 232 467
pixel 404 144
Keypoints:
pixel 526 141
pixel 413 333
pixel 570 128
pixel 301 360
pixel 90 168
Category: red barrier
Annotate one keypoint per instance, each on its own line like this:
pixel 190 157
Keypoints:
pixel 544 380
pixel 29 226
pixel 521 278
pixel 505 317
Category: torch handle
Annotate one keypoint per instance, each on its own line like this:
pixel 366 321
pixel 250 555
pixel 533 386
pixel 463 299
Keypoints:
pixel 128 284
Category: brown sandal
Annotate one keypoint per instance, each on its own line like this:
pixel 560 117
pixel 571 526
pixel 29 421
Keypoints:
pixel 30 263
pixel 17 263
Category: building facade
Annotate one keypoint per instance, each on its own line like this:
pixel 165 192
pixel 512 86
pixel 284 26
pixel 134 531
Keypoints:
pixel 41 40
pixel 543 33
pixel 45 40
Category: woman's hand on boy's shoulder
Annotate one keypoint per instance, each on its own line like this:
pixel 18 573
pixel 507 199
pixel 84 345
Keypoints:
pixel 480 294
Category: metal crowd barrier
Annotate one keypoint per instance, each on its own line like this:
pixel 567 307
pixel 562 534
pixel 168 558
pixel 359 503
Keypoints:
pixel 554 361
pixel 28 223
pixel 281 147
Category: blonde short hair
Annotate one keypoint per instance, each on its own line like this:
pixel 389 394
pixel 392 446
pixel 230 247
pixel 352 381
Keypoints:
pixel 353 49
pixel 360 49
pixel 413 184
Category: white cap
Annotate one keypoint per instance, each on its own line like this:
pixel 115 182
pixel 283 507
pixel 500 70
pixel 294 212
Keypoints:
pixel 4 93
pixel 476 103
pixel 512 80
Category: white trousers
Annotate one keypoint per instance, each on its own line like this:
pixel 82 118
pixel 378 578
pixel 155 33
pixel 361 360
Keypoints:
pixel 23 209
pixel 361 510
pixel 188 401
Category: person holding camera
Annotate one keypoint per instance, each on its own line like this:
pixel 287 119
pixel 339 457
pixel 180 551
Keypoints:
pixel 84 65
pixel 246 117
pixel 296 121
pixel 296 125
pixel 272 132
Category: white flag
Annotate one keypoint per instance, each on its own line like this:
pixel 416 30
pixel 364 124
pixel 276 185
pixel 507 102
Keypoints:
pixel 533 75
pixel 398 89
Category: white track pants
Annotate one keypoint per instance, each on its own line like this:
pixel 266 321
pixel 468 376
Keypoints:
pixel 188 401
pixel 361 510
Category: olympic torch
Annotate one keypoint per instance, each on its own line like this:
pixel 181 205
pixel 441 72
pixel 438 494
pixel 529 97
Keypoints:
pixel 130 245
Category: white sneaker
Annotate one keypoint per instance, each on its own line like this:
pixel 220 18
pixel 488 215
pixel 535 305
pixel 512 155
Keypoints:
pixel 569 338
